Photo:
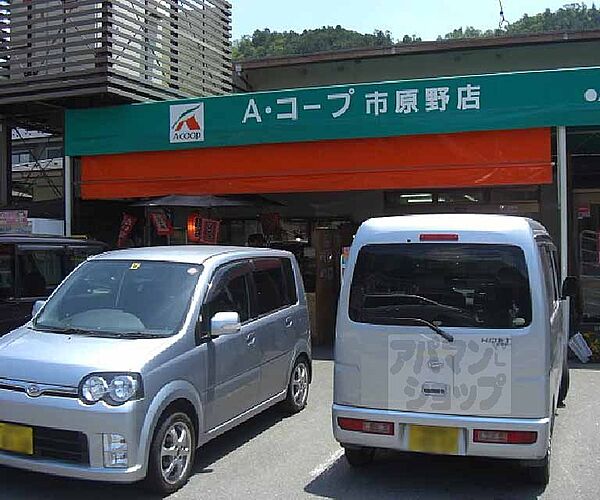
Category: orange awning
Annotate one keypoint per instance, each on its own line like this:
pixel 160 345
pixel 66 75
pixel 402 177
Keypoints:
pixel 498 158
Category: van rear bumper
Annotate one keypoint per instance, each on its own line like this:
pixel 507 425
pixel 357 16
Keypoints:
pixel 466 446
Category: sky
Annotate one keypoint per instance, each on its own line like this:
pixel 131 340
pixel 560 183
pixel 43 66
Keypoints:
pixel 424 18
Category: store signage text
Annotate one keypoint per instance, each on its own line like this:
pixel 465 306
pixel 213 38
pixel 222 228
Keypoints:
pixel 502 101
pixel 402 101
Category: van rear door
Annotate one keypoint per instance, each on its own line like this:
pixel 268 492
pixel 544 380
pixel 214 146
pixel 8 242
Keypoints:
pixel 447 318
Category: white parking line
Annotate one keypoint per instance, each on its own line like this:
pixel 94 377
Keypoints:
pixel 327 464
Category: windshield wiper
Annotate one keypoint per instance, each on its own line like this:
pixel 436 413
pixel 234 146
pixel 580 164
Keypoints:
pixel 64 331
pixel 135 335
pixel 436 329
pixel 97 333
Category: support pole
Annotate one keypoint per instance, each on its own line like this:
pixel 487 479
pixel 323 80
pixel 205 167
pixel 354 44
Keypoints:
pixel 68 196
pixel 561 136
pixel 5 164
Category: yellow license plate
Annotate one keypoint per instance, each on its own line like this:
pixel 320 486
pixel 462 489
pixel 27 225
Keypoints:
pixel 16 438
pixel 426 439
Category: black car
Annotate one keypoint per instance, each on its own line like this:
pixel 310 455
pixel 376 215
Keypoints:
pixel 31 267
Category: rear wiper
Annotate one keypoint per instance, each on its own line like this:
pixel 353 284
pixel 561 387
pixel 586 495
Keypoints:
pixel 436 329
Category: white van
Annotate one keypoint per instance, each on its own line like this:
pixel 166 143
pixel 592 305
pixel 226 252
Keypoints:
pixel 451 338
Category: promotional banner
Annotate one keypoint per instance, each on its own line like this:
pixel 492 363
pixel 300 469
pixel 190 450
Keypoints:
pixel 161 223
pixel 14 221
pixel 202 230
pixel 127 224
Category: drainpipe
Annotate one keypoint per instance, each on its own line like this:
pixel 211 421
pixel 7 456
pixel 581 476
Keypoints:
pixel 561 136
pixel 68 197
pixel 561 150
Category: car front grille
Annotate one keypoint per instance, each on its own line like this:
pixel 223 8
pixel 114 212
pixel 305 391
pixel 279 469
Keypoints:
pixel 41 389
pixel 56 444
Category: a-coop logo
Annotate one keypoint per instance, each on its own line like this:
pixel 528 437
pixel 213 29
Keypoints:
pixel 187 123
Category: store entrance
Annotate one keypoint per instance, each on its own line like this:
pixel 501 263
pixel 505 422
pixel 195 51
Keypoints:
pixel 318 228
pixel 587 253
pixel 584 225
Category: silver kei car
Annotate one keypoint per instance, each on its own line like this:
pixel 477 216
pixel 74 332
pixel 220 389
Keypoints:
pixel 141 356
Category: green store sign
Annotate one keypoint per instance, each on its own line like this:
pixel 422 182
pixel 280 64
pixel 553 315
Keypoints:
pixel 566 97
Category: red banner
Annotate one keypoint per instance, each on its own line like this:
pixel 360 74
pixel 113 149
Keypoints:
pixel 201 230
pixel 161 223
pixel 126 227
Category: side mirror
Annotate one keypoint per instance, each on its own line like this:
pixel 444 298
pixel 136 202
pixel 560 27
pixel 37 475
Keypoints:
pixel 37 306
pixel 225 323
pixel 569 287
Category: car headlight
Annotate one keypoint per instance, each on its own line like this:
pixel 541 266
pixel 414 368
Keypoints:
pixel 93 389
pixel 112 388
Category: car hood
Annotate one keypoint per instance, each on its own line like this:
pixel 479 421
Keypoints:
pixel 60 359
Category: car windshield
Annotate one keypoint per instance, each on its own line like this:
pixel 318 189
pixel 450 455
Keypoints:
pixel 462 285
pixel 121 298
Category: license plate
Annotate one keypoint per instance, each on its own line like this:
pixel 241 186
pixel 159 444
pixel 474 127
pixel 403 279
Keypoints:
pixel 16 438
pixel 426 439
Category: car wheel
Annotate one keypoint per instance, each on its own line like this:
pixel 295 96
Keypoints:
pixel 171 454
pixel 564 383
pixel 359 457
pixel 297 393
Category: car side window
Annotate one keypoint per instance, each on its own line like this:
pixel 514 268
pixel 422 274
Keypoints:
pixel 229 292
pixel 7 271
pixel 549 278
pixel 290 281
pixel 40 270
pixel 556 270
pixel 272 291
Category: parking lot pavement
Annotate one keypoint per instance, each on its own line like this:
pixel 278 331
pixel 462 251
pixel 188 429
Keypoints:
pixel 275 456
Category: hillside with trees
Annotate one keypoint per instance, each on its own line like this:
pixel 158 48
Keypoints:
pixel 266 43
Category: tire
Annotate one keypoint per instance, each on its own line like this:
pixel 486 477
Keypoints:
pixel 539 475
pixel 539 470
pixel 359 457
pixel 297 392
pixel 173 449
pixel 565 381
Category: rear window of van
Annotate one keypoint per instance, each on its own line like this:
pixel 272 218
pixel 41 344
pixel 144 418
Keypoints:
pixel 454 285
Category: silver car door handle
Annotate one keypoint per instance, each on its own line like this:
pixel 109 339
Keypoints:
pixel 289 322
pixel 250 339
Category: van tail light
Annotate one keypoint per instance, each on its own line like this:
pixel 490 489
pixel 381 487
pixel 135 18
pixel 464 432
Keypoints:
pixel 366 426
pixel 504 437
pixel 438 237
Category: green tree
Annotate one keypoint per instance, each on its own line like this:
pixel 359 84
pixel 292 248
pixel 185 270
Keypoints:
pixel 263 43
pixel 570 17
